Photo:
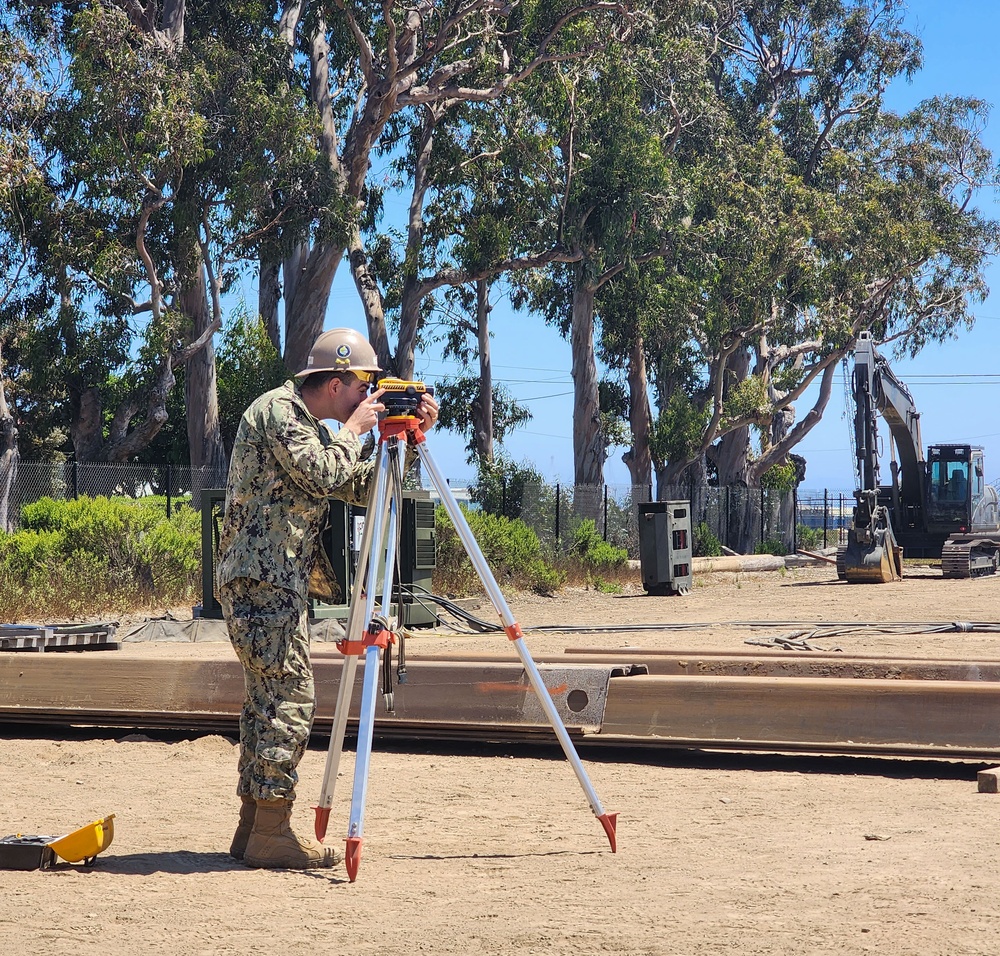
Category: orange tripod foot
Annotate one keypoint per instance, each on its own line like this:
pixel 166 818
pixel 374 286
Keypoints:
pixel 610 823
pixel 352 858
pixel 322 819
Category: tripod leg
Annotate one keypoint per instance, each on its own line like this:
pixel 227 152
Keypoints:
pixel 513 629
pixel 373 652
pixel 375 519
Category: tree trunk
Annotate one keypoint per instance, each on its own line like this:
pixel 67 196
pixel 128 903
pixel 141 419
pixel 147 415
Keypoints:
pixel 689 484
pixel 268 297
pixel 87 428
pixel 638 458
pixel 588 439
pixel 201 398
pixel 9 456
pixel 306 299
pixel 732 451
pixel 410 312
pixel 310 272
pixel 731 454
pixel 371 301
pixel 482 405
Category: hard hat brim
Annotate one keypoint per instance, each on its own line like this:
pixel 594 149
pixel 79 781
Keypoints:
pixel 355 368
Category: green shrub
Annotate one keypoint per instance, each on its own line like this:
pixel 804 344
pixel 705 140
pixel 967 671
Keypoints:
pixel 810 538
pixel 25 553
pixel 510 548
pixel 706 544
pixel 771 546
pixel 593 552
pixel 96 555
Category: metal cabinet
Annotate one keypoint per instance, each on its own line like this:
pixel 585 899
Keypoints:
pixel 665 546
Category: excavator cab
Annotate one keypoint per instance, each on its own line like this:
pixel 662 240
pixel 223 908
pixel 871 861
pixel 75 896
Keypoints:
pixel 955 484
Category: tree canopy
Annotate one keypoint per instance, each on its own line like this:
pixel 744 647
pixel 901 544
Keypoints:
pixel 709 198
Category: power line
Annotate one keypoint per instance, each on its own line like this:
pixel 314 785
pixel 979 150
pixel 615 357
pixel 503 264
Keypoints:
pixel 538 398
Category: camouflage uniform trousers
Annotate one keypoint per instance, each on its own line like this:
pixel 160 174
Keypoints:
pixel 269 629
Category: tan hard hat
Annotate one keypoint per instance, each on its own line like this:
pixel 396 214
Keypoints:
pixel 341 350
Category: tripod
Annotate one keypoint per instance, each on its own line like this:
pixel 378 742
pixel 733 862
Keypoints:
pixel 380 537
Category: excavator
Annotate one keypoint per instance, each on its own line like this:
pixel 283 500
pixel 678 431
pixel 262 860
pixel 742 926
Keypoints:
pixel 935 507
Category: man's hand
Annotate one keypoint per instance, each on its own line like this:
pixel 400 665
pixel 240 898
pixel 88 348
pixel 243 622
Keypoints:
pixel 365 417
pixel 427 412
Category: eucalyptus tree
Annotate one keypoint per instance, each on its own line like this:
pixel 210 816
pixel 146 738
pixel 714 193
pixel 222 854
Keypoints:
pixel 476 170
pixel 20 104
pixel 472 404
pixel 481 211
pixel 645 310
pixel 167 138
pixel 648 337
pixel 77 230
pixel 369 65
pixel 623 199
pixel 844 217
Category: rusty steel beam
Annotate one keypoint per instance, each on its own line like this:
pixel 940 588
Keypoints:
pixel 939 717
pixel 487 699
pixel 184 693
pixel 777 663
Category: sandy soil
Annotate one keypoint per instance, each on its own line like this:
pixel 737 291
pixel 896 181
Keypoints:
pixel 495 850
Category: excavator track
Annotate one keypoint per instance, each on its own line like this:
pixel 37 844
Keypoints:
pixel 956 560
pixel 969 559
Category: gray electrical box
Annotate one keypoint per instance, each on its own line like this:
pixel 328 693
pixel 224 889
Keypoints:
pixel 417 556
pixel 665 546
pixel 417 560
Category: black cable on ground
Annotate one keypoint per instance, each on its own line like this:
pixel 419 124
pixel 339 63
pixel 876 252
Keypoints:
pixel 815 628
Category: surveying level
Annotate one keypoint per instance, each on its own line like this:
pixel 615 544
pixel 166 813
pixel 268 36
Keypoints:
pixel 402 397
pixel 369 629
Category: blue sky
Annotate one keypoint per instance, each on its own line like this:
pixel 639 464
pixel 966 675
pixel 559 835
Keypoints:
pixel 956 385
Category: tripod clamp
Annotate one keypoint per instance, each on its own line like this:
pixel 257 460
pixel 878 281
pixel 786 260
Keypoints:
pixel 396 426
pixel 377 634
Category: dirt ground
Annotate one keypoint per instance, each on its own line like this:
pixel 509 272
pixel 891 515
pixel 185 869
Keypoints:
pixel 495 850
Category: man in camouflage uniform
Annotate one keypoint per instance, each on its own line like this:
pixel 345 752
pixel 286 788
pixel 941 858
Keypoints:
pixel 286 465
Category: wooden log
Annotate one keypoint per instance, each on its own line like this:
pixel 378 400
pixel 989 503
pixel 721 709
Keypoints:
pixel 742 562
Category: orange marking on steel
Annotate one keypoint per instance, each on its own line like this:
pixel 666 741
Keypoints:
pixel 505 687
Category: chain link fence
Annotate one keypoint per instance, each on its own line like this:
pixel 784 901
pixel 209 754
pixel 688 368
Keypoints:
pixel 176 485
pixel 742 519
pixel 824 517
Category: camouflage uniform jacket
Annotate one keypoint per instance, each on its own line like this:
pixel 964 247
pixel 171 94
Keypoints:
pixel 285 466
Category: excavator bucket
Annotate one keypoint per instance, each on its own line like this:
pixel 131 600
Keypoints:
pixel 871 557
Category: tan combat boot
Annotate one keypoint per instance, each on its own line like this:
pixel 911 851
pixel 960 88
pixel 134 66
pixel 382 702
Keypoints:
pixel 248 806
pixel 274 845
